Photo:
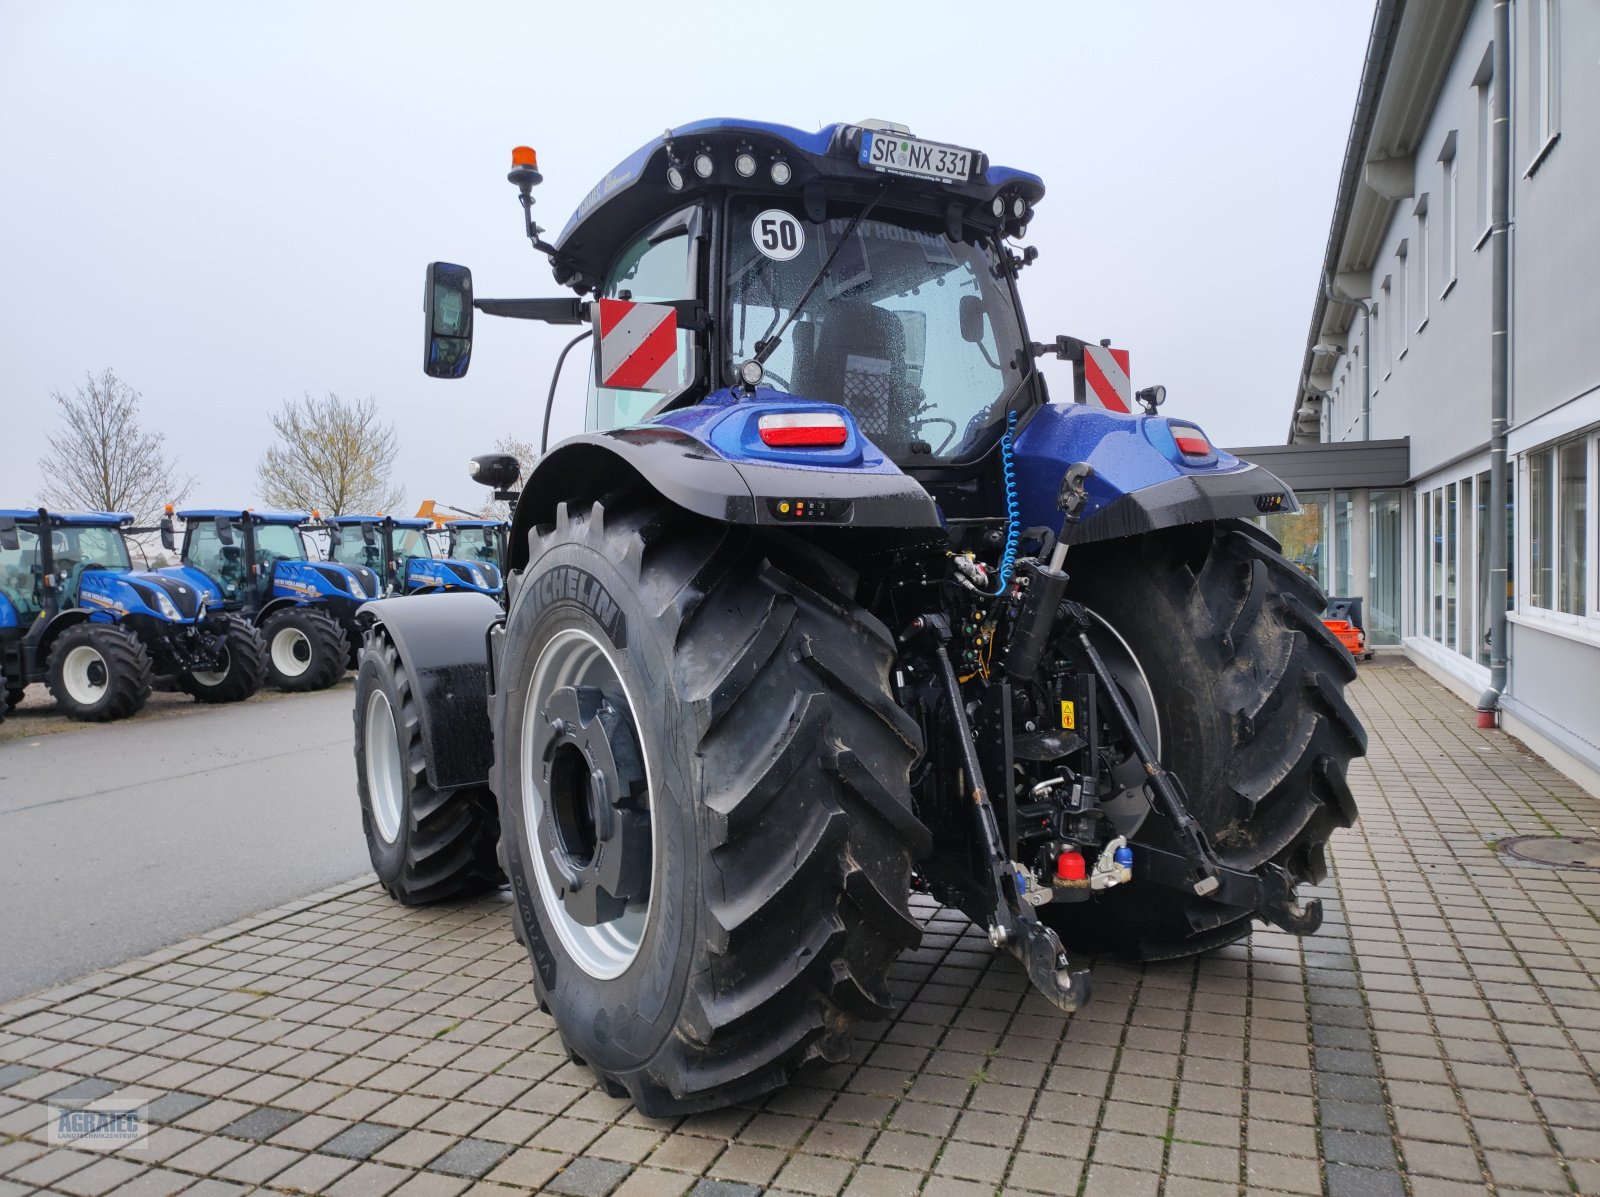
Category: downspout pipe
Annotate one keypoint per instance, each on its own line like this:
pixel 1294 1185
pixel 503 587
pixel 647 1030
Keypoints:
pixel 1334 295
pixel 1499 365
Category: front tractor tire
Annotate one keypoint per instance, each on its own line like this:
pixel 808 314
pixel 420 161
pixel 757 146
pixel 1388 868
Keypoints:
pixel 1247 686
pixel 306 649
pixel 236 675
pixel 705 812
pixel 426 844
pixel 99 672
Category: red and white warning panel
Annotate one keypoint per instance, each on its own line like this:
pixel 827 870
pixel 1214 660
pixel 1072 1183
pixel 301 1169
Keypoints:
pixel 1105 371
pixel 638 346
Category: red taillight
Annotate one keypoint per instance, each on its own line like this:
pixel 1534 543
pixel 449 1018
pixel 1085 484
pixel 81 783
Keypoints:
pixel 1191 442
pixel 803 430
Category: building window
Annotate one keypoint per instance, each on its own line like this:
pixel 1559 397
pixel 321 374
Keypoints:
pixel 1420 290
pixel 1558 528
pixel 1382 336
pixel 1304 536
pixel 1402 340
pixel 1383 567
pixel 1539 70
pixel 1485 149
pixel 1447 212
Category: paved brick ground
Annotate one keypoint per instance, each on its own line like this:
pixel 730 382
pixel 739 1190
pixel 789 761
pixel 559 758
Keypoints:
pixel 1440 1036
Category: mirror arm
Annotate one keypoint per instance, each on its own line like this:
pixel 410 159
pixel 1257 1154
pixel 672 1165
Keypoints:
pixel 550 311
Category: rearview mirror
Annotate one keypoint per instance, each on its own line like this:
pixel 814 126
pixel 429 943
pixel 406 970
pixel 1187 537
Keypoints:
pixel 368 534
pixel 167 540
pixel 335 537
pixel 9 541
pixel 447 331
pixel 971 313
pixel 224 529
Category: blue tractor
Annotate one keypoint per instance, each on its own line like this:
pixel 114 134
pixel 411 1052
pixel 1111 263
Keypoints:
pixel 476 541
pixel 306 610
pixel 400 552
pixel 833 602
pixel 75 614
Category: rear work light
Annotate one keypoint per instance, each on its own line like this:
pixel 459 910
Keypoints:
pixel 803 430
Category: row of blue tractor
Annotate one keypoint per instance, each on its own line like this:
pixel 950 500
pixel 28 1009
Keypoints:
pixel 246 606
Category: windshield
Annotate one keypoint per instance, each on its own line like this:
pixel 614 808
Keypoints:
pixel 883 333
pixel 352 549
pixel 89 546
pixel 474 544
pixel 278 542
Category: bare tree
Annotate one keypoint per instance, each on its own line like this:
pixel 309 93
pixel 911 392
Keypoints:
pixel 103 460
pixel 332 456
pixel 527 454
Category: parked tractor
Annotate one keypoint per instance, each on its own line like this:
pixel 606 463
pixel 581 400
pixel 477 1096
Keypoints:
pixel 76 615
pixel 400 552
pixel 306 609
pixel 474 540
pixel 831 604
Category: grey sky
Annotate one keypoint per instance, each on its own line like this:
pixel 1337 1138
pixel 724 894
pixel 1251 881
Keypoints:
pixel 230 205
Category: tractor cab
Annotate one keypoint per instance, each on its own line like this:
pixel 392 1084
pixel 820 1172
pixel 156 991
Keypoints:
pixel 306 610
pixel 401 553
pixel 477 541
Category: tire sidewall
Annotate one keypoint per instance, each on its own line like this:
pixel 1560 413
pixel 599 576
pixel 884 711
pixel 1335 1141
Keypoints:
pixel 616 1024
pixel 76 637
pixel 377 673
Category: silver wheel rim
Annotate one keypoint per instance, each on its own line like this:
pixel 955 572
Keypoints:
pixel 78 675
pixel 291 652
pixel 382 748
pixel 575 658
pixel 214 677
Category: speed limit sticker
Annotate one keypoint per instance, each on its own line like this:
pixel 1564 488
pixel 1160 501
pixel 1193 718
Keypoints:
pixel 778 235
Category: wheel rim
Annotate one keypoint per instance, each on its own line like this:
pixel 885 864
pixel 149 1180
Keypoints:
pixel 215 677
pixel 291 652
pixel 382 742
pixel 85 675
pixel 587 802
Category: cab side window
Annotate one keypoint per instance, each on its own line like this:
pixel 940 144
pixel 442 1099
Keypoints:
pixel 657 265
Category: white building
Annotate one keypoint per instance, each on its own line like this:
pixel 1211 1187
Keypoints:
pixel 1401 350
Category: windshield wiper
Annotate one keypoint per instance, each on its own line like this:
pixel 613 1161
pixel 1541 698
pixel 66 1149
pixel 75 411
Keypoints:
pixel 766 345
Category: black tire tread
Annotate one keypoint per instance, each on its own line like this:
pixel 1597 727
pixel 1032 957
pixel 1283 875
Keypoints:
pixel 1280 791
pixel 808 909
pixel 130 674
pixel 329 649
pixel 451 834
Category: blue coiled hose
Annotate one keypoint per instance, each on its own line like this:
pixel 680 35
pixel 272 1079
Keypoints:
pixel 1008 468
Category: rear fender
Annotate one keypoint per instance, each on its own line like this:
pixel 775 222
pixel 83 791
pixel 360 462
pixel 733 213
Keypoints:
pixel 443 644
pixel 1140 483
pixel 709 460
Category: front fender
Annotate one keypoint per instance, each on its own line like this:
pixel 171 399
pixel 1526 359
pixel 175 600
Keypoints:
pixel 1140 483
pixel 444 647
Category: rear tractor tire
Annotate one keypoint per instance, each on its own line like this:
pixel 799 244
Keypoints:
pixel 99 672
pixel 426 844
pixel 1247 686
pixel 306 649
pixel 14 696
pixel 237 675
pixel 704 801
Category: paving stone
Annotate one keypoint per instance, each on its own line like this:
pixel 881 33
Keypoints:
pixel 586 1177
pixel 1347 1181
pixel 172 1107
pixel 361 1141
pixel 470 1157
pixel 262 1123
pixel 724 1188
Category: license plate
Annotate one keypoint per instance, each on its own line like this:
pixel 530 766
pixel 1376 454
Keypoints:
pixel 901 155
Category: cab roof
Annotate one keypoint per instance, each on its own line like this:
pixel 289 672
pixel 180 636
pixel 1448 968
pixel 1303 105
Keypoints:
pixel 79 519
pixel 824 165
pixel 397 521
pixel 241 514
pixel 474 524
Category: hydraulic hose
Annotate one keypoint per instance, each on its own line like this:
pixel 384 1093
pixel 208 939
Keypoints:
pixel 555 377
